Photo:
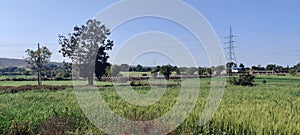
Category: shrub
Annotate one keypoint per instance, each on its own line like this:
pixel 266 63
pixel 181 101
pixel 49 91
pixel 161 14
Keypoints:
pixel 243 80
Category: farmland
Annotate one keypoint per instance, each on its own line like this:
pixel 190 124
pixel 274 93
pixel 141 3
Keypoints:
pixel 272 107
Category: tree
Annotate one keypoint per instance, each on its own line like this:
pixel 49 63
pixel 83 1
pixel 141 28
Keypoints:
pixel 259 67
pixel 124 67
pixel 36 59
pixel 229 65
pixel 114 70
pixel 139 68
pixel 191 70
pixel 201 71
pixel 87 48
pixel 154 72
pixel 101 60
pixel 271 67
pixel 208 71
pixel 177 71
pixel 242 65
pixel 279 69
pixel 293 72
pixel 297 67
pixel 166 71
pixel 219 69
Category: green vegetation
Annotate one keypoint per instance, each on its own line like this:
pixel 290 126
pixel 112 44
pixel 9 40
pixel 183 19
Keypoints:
pixel 37 59
pixel 166 70
pixel 268 108
pixel 243 80
pixel 82 52
pixel 135 74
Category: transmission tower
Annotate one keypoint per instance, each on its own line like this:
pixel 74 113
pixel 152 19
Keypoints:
pixel 230 48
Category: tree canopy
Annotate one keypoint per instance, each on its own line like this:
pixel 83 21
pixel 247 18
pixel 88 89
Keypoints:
pixel 36 59
pixel 87 48
pixel 166 70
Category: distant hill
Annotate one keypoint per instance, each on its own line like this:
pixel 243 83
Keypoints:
pixel 7 62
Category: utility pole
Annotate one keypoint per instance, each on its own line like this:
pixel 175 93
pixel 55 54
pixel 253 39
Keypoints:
pixel 39 66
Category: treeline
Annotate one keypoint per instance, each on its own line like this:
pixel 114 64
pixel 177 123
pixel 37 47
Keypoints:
pixel 50 71
pixel 58 72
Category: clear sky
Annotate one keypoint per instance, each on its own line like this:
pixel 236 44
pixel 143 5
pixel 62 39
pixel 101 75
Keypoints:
pixel 268 31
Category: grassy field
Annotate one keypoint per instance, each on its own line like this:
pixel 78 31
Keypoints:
pixel 17 76
pixel 268 108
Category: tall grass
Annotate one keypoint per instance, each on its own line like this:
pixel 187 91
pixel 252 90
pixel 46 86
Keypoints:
pixel 268 108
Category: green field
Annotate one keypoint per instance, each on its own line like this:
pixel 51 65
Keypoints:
pixel 267 108
pixel 17 76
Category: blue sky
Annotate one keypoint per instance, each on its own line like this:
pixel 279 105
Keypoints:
pixel 268 31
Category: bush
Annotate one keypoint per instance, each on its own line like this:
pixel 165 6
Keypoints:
pixel 243 80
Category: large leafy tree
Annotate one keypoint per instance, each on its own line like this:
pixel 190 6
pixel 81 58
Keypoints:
pixel 87 48
pixel 36 59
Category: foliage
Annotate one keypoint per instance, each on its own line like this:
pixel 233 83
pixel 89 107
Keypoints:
pixel 208 71
pixel 201 71
pixel 166 71
pixel 177 71
pixel 242 65
pixel 154 72
pixel 293 72
pixel 139 68
pixel 191 70
pixel 271 67
pixel 36 59
pixel 101 59
pixel 87 46
pixel 218 70
pixel 259 67
pixel 113 71
pixel 243 80
pixel 229 65
pixel 297 67
pixel 124 67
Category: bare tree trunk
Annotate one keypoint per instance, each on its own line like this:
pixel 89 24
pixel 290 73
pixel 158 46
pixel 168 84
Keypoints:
pixel 90 79
pixel 39 78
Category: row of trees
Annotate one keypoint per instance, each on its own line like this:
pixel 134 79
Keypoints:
pixel 50 71
pixel 87 47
